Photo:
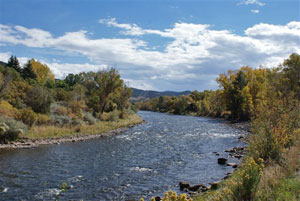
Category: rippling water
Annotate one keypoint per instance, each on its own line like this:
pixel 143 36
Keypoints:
pixel 147 160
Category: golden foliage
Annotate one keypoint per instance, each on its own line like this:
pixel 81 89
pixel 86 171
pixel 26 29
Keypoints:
pixel 42 72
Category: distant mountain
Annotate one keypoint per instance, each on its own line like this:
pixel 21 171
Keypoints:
pixel 139 94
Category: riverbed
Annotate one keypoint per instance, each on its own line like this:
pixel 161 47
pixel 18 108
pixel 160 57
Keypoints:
pixel 146 160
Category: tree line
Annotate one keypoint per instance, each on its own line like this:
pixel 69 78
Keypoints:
pixel 31 95
pixel 243 93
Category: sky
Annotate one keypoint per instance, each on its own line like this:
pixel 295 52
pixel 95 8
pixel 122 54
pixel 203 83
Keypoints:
pixel 155 44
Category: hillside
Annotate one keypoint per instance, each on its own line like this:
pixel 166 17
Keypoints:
pixel 139 94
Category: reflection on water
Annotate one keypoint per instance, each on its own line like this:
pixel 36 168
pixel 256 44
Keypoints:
pixel 145 160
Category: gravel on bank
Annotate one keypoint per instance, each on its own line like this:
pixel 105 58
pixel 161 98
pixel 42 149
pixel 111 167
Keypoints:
pixel 31 143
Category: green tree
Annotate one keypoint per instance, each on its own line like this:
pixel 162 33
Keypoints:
pixel 28 72
pixel 13 62
pixel 109 82
pixel 291 69
pixel 39 99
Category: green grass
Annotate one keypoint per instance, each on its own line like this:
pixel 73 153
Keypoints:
pixel 46 132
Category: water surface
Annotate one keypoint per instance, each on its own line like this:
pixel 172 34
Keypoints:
pixel 147 160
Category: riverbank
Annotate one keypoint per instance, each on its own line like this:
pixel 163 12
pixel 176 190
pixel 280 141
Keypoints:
pixel 44 135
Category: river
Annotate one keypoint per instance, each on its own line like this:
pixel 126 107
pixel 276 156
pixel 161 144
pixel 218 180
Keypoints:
pixel 146 160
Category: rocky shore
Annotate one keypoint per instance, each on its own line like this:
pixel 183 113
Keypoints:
pixel 235 152
pixel 32 143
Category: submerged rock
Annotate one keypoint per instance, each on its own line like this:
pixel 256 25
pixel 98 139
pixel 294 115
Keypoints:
pixel 222 161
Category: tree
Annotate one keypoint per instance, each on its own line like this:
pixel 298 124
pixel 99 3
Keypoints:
pixel 28 72
pixel 291 69
pixel 14 63
pixel 39 99
pixel 42 71
pixel 72 79
pixel 108 82
pixel 121 98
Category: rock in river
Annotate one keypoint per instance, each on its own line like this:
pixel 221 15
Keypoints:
pixel 184 184
pixel 222 161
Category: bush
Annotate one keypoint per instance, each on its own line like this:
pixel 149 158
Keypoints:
pixel 60 110
pixel 10 129
pixel 62 95
pixel 7 109
pixel 27 116
pixel 42 119
pixel 275 129
pixel 88 117
pixel 61 120
pixel 39 99
pixel 248 179
pixel 110 116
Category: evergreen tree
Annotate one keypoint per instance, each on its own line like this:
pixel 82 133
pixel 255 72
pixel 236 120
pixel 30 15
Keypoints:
pixel 14 63
pixel 28 71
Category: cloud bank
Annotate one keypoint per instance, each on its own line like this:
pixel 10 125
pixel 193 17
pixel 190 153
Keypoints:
pixel 191 59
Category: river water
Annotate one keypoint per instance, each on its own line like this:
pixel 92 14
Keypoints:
pixel 146 160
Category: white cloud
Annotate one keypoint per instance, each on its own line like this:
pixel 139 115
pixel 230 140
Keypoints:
pixel 255 11
pixel 192 60
pixel 249 2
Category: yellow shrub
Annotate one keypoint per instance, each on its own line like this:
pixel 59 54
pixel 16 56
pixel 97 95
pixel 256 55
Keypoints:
pixel 42 119
pixel 7 109
pixel 27 116
pixel 60 110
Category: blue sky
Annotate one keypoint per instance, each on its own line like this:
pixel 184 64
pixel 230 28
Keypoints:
pixel 160 45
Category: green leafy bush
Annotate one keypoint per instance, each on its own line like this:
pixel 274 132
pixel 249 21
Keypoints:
pixel 10 129
pixel 39 99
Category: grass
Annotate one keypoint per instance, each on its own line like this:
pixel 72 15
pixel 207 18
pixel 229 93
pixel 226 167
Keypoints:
pixel 46 132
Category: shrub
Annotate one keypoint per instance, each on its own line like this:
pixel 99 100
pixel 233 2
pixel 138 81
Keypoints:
pixel 60 110
pixel 248 179
pixel 77 122
pixel 10 129
pixel 42 119
pixel 275 129
pixel 110 116
pixel 39 99
pixel 27 116
pixel 88 117
pixel 7 109
pixel 61 120
pixel 77 107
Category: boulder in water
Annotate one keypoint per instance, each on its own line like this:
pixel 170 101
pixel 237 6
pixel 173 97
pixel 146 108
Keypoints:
pixel 222 161
pixel 184 185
